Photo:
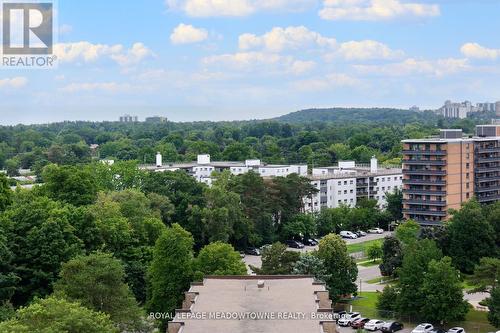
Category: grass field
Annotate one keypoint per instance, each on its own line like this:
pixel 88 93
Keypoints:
pixel 370 263
pixel 361 247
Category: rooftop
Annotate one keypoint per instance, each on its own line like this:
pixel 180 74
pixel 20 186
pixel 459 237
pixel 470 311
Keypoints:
pixel 284 311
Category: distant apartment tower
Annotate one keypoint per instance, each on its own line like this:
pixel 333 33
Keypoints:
pixel 414 108
pixel 126 118
pixel 156 119
pixel 457 110
pixel 443 172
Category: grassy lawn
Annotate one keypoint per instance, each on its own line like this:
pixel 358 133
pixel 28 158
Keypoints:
pixel 370 263
pixel 361 247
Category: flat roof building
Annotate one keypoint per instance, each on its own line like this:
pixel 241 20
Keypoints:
pixel 265 304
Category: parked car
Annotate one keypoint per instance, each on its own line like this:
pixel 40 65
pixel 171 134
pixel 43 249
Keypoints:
pixel 242 254
pixel 391 327
pixel 374 325
pixel 360 233
pixel 376 231
pixel 265 246
pixel 294 244
pixel 359 323
pixel 348 234
pixel 253 251
pixel 339 314
pixel 456 330
pixel 423 328
pixel 348 318
pixel 310 242
pixel 439 330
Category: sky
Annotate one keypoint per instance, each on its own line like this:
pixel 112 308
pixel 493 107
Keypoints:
pixel 252 59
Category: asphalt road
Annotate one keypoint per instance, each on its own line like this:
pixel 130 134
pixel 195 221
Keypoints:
pixel 351 330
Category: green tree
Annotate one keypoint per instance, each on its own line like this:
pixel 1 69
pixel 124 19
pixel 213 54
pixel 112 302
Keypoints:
pixel 444 298
pixel 310 264
pixel 57 316
pixel 416 259
pixel 332 220
pixel 494 307
pixel 277 260
pixel 97 282
pixel 486 274
pixel 301 225
pixel 340 266
pixel 69 184
pixel 392 256
pixel 5 193
pixel 40 237
pixel 466 227
pixel 386 304
pixel 219 259
pixel 395 204
pixel 408 232
pixel 171 270
pixel 374 251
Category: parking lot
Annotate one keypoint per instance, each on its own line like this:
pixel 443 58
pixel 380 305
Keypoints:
pixel 351 330
pixel 257 262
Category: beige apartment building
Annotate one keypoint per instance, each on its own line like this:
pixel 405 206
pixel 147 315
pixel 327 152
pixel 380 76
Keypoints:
pixel 441 173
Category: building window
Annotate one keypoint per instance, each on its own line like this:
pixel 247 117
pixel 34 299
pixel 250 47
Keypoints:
pixel 466 165
pixel 352 191
pixel 339 183
pixel 340 192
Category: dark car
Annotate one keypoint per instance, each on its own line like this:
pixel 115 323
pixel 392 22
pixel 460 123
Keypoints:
pixel 391 327
pixel 294 244
pixel 310 242
pixel 253 251
pixel 359 323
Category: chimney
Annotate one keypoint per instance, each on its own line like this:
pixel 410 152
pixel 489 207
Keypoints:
pixel 373 164
pixel 158 160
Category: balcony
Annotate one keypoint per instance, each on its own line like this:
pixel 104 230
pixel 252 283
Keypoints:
pixel 488 169
pixel 424 172
pixel 483 189
pixel 424 202
pixel 417 211
pixel 424 182
pixel 487 179
pixel 424 162
pixel 487 149
pixel 424 192
pixel 425 152
pixel 488 159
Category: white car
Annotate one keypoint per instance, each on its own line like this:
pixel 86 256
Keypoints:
pixel 348 318
pixel 456 330
pixel 348 234
pixel 374 325
pixel 423 328
pixel 376 231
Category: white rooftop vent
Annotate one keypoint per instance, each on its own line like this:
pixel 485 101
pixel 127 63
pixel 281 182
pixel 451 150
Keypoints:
pixel 260 284
pixel 252 162
pixel 158 160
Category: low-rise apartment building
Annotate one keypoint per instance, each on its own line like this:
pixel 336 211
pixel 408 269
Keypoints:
pixel 441 173
pixel 203 168
pixel 347 183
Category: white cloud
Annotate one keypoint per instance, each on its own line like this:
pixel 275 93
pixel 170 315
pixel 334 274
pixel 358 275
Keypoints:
pixel 132 56
pixel 300 38
pixel 88 52
pixel 411 66
pixel 206 8
pixel 375 10
pixel 186 33
pixel 279 39
pixel 329 81
pixel 474 50
pixel 367 49
pixel 110 87
pixel 15 82
pixel 259 62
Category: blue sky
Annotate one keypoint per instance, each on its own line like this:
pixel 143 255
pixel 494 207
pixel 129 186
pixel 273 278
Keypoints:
pixel 245 59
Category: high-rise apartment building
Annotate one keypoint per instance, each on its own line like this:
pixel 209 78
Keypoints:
pixel 443 172
pixel 126 118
